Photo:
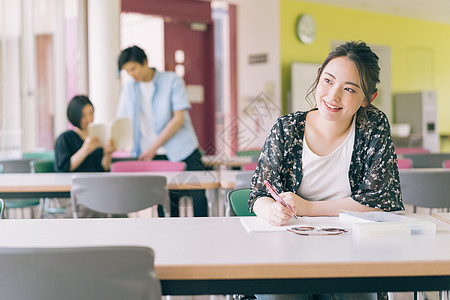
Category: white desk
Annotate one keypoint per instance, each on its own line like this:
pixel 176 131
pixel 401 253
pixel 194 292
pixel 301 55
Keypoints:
pixel 14 185
pixel 218 256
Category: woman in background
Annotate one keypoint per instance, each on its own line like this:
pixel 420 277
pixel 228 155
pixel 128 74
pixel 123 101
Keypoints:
pixel 75 151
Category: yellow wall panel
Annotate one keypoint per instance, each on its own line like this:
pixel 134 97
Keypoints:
pixel 409 39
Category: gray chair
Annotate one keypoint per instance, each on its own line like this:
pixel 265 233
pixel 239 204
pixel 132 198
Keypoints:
pixel 2 207
pixel 113 273
pixel 118 194
pixel 16 165
pixel 425 188
pixel 20 166
pixel 243 179
pixel 427 160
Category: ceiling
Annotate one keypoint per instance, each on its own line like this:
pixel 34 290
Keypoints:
pixel 430 10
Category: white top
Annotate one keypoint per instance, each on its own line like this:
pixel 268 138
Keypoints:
pixel 148 133
pixel 326 177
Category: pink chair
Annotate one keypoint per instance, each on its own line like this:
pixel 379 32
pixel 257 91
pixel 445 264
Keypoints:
pixel 249 166
pixel 446 164
pixel 404 163
pixel 120 154
pixel 147 166
pixel 411 150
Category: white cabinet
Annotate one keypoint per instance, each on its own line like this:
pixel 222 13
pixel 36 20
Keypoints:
pixel 420 111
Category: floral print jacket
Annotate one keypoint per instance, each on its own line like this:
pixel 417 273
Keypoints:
pixel 373 173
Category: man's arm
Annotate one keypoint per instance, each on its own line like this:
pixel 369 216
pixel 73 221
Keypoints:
pixel 169 130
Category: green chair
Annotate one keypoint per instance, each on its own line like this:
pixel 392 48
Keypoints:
pixel 238 199
pixel 42 166
pixel 47 166
pixel 254 153
pixel 39 155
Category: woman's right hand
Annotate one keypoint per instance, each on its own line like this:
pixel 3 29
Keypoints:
pixel 90 144
pixel 279 215
pixel 272 211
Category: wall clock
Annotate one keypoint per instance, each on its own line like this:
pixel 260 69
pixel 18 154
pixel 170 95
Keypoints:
pixel 306 28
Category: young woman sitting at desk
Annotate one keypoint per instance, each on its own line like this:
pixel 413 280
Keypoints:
pixel 75 151
pixel 339 155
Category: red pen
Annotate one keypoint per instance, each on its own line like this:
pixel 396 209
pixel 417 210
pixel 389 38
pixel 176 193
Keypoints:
pixel 277 197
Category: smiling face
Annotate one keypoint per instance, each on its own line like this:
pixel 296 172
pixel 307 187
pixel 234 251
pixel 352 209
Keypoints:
pixel 87 116
pixel 339 94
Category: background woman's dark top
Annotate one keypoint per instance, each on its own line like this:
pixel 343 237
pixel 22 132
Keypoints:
pixel 67 144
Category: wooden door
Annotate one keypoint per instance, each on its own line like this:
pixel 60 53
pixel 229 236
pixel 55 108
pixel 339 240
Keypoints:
pixel 194 43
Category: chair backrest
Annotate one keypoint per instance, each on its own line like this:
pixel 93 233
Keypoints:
pixel 404 163
pixel 446 164
pixel 249 153
pixel 2 207
pixel 238 199
pixel 88 273
pixel 147 166
pixel 39 155
pixel 243 179
pixel 427 160
pixel 43 166
pixel 425 188
pixel 249 166
pixel 118 194
pixel 15 165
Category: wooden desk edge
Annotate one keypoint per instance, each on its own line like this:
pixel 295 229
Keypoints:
pixel 307 270
pixel 36 188
pixel 193 186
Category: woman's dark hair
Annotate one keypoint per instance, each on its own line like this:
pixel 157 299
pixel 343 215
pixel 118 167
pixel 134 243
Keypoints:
pixel 133 53
pixel 75 109
pixel 366 62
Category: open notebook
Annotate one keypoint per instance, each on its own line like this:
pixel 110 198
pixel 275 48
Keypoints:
pixel 357 223
pixel 255 224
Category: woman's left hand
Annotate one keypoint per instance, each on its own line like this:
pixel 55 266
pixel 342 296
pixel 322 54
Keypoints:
pixel 110 147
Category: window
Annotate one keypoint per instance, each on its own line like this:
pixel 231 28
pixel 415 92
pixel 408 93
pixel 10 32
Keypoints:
pixel 42 65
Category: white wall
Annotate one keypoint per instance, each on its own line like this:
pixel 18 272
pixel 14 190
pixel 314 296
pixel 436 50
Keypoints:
pixel 259 85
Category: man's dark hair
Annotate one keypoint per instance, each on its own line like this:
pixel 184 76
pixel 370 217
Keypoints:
pixel 134 54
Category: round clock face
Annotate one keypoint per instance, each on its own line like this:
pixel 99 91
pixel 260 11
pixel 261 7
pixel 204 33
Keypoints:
pixel 306 28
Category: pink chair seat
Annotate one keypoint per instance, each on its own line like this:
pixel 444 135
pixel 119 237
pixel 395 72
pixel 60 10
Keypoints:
pixel 446 164
pixel 404 163
pixel 249 166
pixel 147 166
pixel 411 150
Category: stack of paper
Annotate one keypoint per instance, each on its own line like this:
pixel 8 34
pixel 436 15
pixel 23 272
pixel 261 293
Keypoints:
pixel 385 224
